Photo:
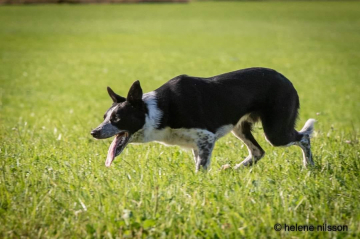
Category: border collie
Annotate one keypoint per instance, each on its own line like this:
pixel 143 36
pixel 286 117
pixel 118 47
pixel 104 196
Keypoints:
pixel 195 112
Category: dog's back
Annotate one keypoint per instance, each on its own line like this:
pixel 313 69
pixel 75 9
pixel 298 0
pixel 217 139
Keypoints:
pixel 209 103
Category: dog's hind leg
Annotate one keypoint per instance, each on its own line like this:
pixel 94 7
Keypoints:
pixel 243 132
pixel 304 142
pixel 278 124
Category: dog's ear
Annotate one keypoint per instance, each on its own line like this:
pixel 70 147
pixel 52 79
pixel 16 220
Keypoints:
pixel 115 97
pixel 134 96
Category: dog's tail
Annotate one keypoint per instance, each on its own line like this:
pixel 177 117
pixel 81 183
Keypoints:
pixel 308 127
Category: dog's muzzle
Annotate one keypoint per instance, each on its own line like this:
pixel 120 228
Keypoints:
pixel 95 133
pixel 105 130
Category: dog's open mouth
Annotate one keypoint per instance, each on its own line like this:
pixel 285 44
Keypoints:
pixel 116 147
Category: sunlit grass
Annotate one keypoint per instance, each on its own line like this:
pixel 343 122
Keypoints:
pixel 55 64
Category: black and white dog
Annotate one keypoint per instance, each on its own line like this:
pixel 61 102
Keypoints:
pixel 195 112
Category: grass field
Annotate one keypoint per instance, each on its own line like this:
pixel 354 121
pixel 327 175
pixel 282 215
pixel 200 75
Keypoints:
pixel 55 64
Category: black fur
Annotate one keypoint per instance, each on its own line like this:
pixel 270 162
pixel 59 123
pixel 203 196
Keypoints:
pixel 209 103
pixel 115 97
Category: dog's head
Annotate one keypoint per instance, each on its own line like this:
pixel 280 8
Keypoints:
pixel 125 117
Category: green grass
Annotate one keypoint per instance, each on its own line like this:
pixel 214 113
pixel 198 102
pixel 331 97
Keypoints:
pixel 55 64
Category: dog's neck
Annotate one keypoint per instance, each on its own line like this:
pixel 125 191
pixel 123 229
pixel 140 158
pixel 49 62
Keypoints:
pixel 152 120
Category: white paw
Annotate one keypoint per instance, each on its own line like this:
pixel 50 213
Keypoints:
pixel 225 166
pixel 238 165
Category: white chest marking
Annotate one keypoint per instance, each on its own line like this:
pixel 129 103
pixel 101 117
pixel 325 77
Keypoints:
pixel 188 138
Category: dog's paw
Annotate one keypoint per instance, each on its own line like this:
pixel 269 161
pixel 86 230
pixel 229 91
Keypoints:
pixel 240 165
pixel 225 166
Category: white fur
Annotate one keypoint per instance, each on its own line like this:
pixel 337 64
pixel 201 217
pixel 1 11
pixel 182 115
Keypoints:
pixel 308 127
pixel 155 114
pixel 108 115
pixel 187 138
pixel 149 133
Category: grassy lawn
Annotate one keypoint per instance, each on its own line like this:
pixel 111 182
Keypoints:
pixel 55 64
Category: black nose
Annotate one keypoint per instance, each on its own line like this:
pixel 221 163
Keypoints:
pixel 95 133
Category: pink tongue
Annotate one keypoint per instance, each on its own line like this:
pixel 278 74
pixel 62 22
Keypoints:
pixel 111 152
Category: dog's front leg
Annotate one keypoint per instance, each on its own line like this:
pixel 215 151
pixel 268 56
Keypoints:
pixel 196 155
pixel 205 146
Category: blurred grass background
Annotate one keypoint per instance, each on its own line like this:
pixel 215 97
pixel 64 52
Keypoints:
pixel 56 61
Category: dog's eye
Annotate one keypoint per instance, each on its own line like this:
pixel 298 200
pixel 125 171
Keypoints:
pixel 115 119
pixel 104 116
